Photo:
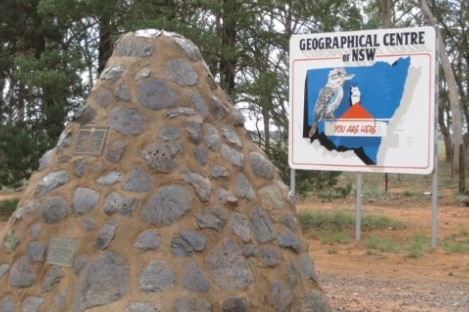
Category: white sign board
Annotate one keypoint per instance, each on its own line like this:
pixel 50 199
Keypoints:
pixel 363 101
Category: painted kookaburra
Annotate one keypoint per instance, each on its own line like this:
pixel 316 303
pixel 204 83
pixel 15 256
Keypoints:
pixel 329 97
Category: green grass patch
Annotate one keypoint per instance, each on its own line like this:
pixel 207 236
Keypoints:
pixel 339 221
pixel 7 207
pixel 457 243
pixel 418 246
pixel 327 237
pixel 382 244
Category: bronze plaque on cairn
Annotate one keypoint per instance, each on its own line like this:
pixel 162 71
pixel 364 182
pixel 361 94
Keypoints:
pixel 90 140
pixel 61 251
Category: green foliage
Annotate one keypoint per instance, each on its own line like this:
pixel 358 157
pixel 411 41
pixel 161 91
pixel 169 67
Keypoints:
pixel 20 150
pixel 457 243
pixel 418 246
pixel 7 207
pixel 382 244
pixel 340 221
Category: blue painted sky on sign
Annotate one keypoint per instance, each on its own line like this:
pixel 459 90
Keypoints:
pixel 382 88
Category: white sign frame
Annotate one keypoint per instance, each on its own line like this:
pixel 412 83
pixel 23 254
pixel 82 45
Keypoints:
pixel 406 138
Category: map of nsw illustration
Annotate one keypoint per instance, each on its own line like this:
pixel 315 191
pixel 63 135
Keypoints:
pixel 348 109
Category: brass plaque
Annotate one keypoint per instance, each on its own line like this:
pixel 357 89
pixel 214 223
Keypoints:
pixel 61 251
pixel 90 140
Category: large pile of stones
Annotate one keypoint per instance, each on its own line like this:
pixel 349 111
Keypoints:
pixel 154 200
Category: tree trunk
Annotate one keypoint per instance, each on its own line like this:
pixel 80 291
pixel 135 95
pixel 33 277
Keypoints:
pixel 452 88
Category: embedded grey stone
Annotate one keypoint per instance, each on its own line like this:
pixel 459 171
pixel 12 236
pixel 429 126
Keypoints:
pixel 157 276
pixel 232 136
pixel 106 235
pixel 158 157
pixel 53 276
pixel 12 241
pixel 191 50
pixel 307 267
pixel 213 218
pixel 142 73
pixel 3 269
pixel 133 47
pixel 293 275
pixel 200 184
pixel 213 142
pixel 169 204
pixel 288 239
pixel 115 203
pixel 290 222
pixel 180 111
pixel 280 296
pixel 31 206
pixel 148 240
pixel 122 92
pixel 181 73
pixel 238 117
pixel 270 256
pixel 200 105
pixel 249 250
pixel 169 133
pixel 240 226
pixel 22 273
pixel 84 200
pixel 201 155
pixel 103 97
pixel 314 301
pixel 193 279
pixel 111 178
pixel 153 93
pixel 64 140
pixel 51 181
pixel 55 210
pixel 139 181
pixel 196 240
pixel 244 188
pixel 227 267
pixel 220 172
pixel 88 225
pixel 7 304
pixel 79 264
pixel 80 166
pixel 219 110
pixel 234 304
pixel 235 157
pixel 35 251
pixel 112 73
pixel 261 166
pixel 193 127
pixel 141 307
pixel 59 300
pixel 180 247
pixel 104 281
pixel 85 115
pixel 261 225
pixel 189 304
pixel 226 197
pixel 46 159
pixel 271 197
pixel 126 121
pixel 32 304
pixel 115 151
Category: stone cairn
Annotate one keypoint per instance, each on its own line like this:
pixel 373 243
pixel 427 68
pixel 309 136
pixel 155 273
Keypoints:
pixel 155 200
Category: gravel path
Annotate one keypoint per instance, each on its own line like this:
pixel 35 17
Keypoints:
pixel 365 294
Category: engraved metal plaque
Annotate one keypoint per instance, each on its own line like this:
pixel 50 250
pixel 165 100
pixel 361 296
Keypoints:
pixel 61 251
pixel 90 140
